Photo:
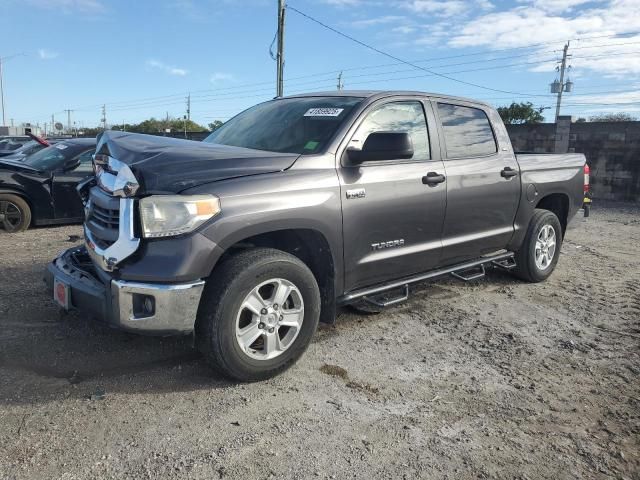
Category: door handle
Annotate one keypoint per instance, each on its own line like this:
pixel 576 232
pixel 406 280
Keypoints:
pixel 432 179
pixel 508 172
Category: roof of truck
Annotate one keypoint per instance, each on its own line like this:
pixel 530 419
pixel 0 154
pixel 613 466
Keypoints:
pixel 370 94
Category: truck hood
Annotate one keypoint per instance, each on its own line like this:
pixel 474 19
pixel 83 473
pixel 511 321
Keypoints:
pixel 170 165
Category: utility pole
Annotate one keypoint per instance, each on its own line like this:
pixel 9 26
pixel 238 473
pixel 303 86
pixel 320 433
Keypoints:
pixel 340 83
pixel 2 93
pixel 280 54
pixel 53 121
pixel 189 107
pixel 104 117
pixel 561 87
pixel 4 122
pixel 68 119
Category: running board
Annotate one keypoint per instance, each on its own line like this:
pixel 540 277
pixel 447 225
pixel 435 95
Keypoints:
pixel 399 299
pixel 493 260
pixel 478 272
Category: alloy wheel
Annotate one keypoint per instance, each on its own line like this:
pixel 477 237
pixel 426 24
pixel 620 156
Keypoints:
pixel 269 319
pixel 545 247
pixel 10 215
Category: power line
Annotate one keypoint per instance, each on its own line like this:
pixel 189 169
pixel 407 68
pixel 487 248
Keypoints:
pixel 169 99
pixel 377 50
pixel 398 59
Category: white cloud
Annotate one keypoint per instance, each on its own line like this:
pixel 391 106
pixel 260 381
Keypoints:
pixel 444 8
pixel 181 72
pixel 559 6
pixel 45 54
pixel 529 25
pixel 370 22
pixel 404 29
pixel 67 6
pixel 343 3
pixel 485 4
pixel 218 77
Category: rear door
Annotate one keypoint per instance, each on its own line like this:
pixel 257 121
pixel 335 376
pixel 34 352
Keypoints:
pixel 392 221
pixel 66 201
pixel 483 184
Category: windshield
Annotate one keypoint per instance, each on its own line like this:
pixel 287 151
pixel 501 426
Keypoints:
pixel 53 157
pixel 292 125
pixel 29 147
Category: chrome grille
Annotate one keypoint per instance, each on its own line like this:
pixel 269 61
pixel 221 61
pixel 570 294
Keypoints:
pixel 103 217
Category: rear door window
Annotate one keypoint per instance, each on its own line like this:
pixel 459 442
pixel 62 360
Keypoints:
pixel 467 131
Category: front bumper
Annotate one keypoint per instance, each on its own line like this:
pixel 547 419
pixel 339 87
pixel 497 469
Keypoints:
pixel 149 308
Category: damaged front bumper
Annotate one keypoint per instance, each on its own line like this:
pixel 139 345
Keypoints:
pixel 149 308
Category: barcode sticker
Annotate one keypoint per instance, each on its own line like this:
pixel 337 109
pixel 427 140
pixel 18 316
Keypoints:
pixel 324 112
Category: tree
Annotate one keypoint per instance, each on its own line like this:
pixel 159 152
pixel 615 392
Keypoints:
pixel 613 117
pixel 153 126
pixel 522 112
pixel 216 124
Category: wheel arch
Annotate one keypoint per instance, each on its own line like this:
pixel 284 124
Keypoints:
pixel 311 247
pixel 558 204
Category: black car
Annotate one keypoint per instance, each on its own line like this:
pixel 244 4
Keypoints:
pixel 27 149
pixel 41 189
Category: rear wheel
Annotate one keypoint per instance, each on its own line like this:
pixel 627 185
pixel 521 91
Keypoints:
pixel 259 311
pixel 539 253
pixel 15 214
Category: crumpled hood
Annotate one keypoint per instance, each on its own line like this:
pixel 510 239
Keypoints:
pixel 170 165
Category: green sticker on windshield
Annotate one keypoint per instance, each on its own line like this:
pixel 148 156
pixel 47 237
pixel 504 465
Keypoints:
pixel 311 145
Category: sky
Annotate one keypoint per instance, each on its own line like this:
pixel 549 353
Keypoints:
pixel 141 58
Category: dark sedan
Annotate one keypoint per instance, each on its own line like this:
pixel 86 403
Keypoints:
pixel 41 189
pixel 27 149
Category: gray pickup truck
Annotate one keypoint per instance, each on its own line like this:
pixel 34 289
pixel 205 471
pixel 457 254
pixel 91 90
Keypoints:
pixel 304 204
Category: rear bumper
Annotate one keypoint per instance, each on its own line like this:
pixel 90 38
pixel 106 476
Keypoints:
pixel 148 308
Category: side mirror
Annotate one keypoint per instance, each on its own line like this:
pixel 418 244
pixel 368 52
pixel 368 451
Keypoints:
pixel 71 164
pixel 383 146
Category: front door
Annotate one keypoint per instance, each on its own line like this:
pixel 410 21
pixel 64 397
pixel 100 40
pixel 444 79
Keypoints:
pixel 483 185
pixel 392 221
pixel 66 201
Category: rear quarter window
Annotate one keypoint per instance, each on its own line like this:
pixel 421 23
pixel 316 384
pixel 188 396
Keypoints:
pixel 467 131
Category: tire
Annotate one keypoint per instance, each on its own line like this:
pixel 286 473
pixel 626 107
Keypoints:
pixel 223 316
pixel 528 268
pixel 15 214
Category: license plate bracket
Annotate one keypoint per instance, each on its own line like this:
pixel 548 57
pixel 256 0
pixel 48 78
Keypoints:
pixel 61 293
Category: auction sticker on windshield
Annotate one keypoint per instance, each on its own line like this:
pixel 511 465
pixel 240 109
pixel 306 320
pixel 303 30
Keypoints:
pixel 324 112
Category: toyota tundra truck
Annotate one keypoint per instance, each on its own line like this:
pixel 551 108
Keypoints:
pixel 301 205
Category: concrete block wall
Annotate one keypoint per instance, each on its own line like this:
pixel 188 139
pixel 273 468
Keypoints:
pixel 612 150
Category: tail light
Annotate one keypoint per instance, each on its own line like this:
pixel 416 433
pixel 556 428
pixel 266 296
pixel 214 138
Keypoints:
pixel 586 178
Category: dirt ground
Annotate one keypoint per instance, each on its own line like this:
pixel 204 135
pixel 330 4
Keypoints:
pixel 490 379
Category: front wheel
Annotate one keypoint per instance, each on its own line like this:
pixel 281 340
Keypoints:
pixel 258 313
pixel 539 253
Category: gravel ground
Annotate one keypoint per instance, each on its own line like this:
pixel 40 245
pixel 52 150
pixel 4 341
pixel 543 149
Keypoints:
pixel 489 379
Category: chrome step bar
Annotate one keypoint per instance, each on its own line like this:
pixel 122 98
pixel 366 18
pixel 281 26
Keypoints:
pixel 387 303
pixel 498 260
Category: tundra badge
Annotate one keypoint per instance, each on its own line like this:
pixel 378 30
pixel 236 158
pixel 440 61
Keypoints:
pixel 389 244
